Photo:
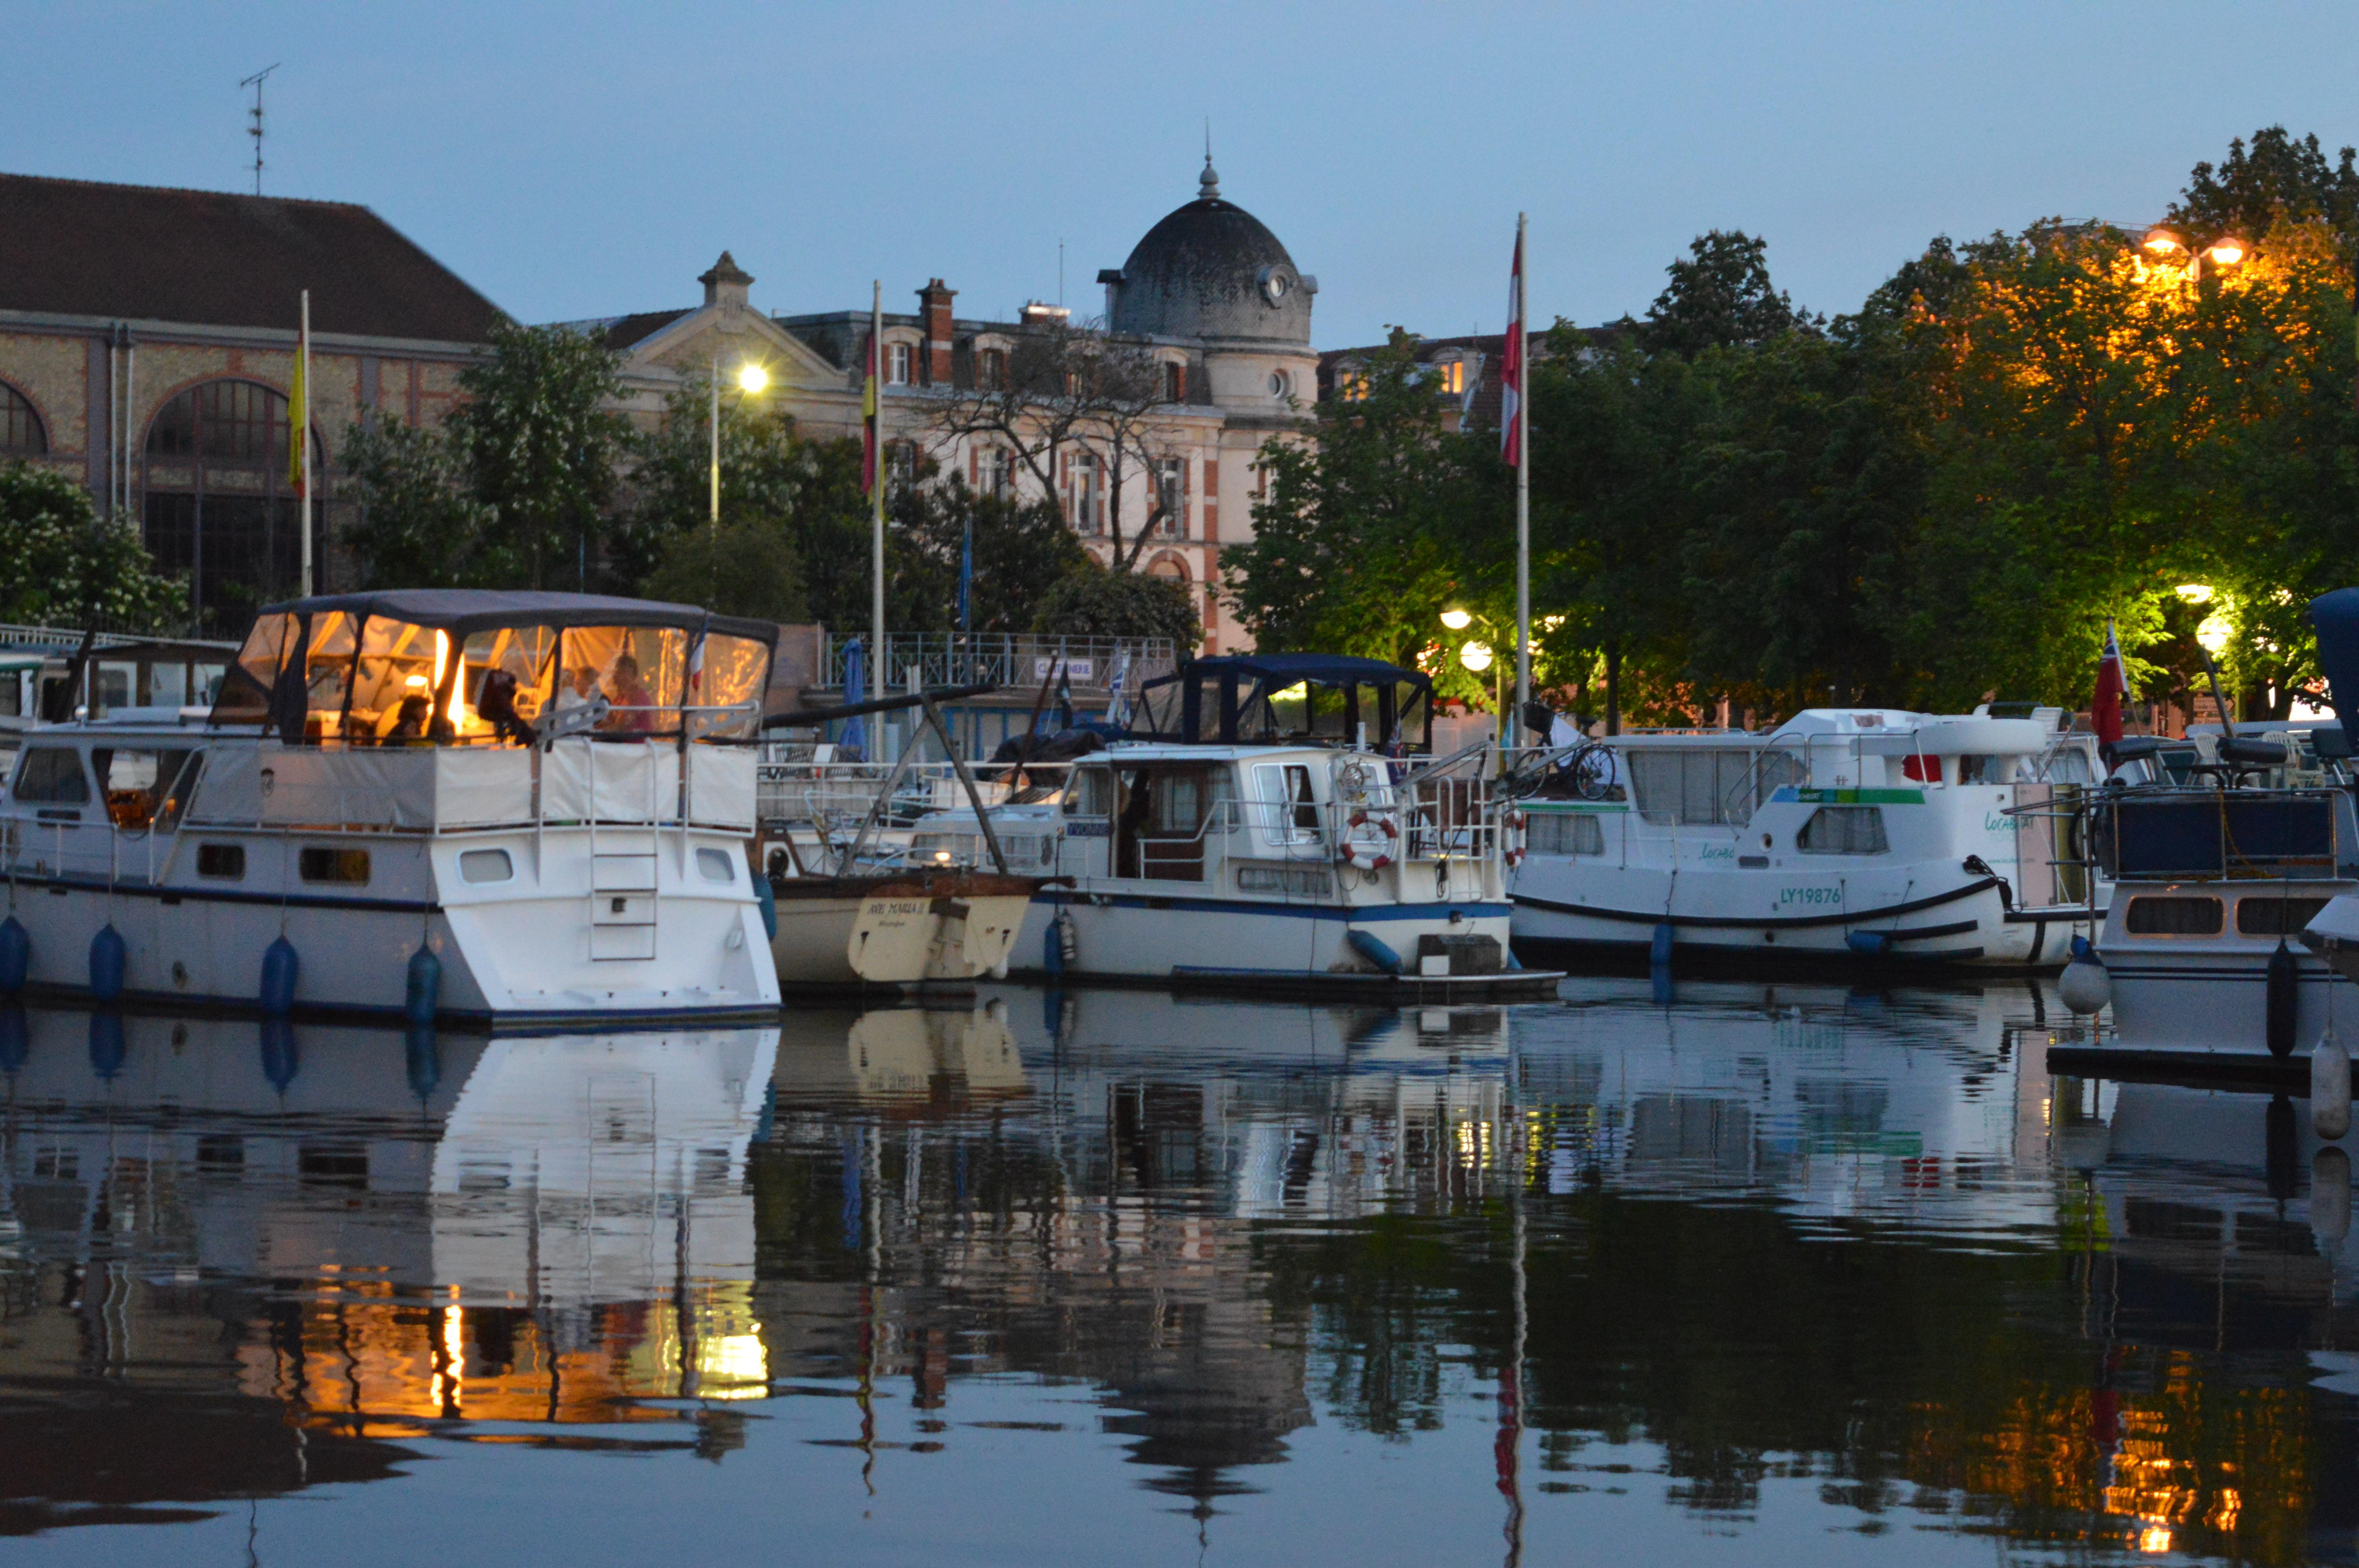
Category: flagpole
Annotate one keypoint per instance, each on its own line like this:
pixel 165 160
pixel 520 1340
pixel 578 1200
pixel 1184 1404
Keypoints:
pixel 877 498
pixel 302 436
pixel 1523 490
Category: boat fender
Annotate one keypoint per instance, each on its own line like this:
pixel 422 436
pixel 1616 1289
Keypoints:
pixel 279 968
pixel 1869 943
pixel 2330 1089
pixel 2284 1000
pixel 767 897
pixel 2330 1195
pixel 280 1059
pixel 1659 952
pixel 108 957
pixel 15 1038
pixel 1377 951
pixel 424 1055
pixel 423 996
pixel 2086 985
pixel 106 1047
pixel 15 954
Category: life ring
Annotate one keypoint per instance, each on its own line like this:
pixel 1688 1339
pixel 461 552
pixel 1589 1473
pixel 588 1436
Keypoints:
pixel 1367 840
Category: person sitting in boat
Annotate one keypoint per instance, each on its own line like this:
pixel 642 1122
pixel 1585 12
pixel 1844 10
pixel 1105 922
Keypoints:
pixel 578 689
pixel 495 706
pixel 410 720
pixel 634 704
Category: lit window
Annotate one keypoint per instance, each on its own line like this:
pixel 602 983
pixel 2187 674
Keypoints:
pixel 897 371
pixel 1450 376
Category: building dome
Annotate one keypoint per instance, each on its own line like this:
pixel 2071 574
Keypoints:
pixel 1211 269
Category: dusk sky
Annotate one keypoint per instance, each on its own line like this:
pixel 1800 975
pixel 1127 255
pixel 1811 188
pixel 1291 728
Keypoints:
pixel 590 159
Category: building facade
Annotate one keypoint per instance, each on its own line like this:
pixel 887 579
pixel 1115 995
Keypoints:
pixel 148 343
pixel 1209 308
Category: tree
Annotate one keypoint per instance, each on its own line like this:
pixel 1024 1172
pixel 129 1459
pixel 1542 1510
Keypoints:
pixel 539 440
pixel 746 568
pixel 1720 296
pixel 2276 180
pixel 1091 602
pixel 60 566
pixel 1022 550
pixel 421 525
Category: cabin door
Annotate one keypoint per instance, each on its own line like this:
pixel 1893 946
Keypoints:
pixel 1159 831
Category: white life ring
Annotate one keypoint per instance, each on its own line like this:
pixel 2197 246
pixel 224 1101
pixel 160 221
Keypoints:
pixel 1367 840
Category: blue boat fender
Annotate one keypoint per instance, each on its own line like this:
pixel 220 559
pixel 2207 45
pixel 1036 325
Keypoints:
pixel 1660 951
pixel 106 1046
pixel 279 970
pixel 1869 943
pixel 2284 1001
pixel 424 1059
pixel 108 960
pixel 1377 951
pixel 16 955
pixel 766 896
pixel 423 996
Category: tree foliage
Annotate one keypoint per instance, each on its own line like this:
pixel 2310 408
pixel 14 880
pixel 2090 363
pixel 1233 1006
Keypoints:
pixel 61 565
pixel 1091 602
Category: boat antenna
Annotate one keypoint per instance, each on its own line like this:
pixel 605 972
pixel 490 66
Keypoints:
pixel 254 114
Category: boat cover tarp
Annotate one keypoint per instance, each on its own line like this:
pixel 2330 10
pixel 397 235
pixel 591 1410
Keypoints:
pixel 581 779
pixel 2216 834
pixel 417 789
pixel 462 610
pixel 2335 618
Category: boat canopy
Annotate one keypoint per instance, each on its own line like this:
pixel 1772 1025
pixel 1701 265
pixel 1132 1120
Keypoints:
pixel 477 665
pixel 1267 699
pixel 2335 618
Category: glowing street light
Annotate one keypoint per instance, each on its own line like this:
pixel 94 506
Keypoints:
pixel 753 379
pixel 2194 592
pixel 1476 656
pixel 1457 620
pixel 2213 634
pixel 2165 244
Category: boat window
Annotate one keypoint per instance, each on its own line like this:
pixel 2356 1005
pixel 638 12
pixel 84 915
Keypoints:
pixel 1843 830
pixel 733 673
pixel 1985 770
pixel 327 674
pixel 246 685
pixel 1092 793
pixel 1564 833
pixel 1689 786
pixel 1918 768
pixel 486 866
pixel 51 775
pixel 140 786
pixel 641 670
pixel 1288 807
pixel 2174 917
pixel 226 861
pixel 318 863
pixel 712 865
pixel 2260 916
pixel 393 695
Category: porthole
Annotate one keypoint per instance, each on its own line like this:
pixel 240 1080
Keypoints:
pixel 713 866
pixel 485 866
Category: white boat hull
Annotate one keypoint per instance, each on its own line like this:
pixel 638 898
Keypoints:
pixel 895 941
pixel 1177 937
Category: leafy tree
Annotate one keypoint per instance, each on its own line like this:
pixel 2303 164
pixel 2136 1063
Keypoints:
pixel 539 441
pixel 1023 552
pixel 746 568
pixel 421 525
pixel 2278 180
pixel 61 565
pixel 1720 296
pixel 1093 601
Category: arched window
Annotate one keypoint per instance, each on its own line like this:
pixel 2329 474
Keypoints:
pixel 21 435
pixel 219 506
pixel 1171 568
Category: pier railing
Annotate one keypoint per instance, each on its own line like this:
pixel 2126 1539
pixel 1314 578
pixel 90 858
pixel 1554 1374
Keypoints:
pixel 1020 661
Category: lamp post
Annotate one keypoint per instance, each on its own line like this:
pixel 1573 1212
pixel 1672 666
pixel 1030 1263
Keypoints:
pixel 1477 656
pixel 2165 244
pixel 751 380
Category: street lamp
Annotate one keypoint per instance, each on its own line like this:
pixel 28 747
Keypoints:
pixel 1476 656
pixel 751 381
pixel 2165 244
pixel 1457 620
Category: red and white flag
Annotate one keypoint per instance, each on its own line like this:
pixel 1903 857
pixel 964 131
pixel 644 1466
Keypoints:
pixel 1511 363
pixel 2113 684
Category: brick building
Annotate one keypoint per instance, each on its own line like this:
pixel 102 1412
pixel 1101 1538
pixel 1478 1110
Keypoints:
pixel 146 347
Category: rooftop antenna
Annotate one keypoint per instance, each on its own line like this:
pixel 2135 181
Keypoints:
pixel 254 114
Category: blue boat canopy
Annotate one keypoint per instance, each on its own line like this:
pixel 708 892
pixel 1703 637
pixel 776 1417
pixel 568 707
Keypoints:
pixel 2335 617
pixel 1265 699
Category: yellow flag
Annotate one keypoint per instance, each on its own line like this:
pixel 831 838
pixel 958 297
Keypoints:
pixel 299 406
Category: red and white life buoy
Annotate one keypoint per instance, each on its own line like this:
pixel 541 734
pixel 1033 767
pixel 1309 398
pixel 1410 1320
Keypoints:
pixel 1367 840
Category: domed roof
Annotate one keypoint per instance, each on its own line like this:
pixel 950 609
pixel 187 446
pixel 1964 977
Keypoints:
pixel 1212 269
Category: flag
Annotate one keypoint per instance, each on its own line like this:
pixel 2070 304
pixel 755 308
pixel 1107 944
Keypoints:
pixel 299 409
pixel 869 454
pixel 2113 684
pixel 1511 365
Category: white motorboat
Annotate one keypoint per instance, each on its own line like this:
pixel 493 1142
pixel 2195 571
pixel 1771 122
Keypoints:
pixel 1259 841
pixel 509 808
pixel 1854 833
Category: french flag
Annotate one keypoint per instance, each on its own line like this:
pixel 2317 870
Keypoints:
pixel 1511 365
pixel 2113 684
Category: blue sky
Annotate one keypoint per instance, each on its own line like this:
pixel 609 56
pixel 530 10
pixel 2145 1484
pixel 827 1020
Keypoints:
pixel 590 158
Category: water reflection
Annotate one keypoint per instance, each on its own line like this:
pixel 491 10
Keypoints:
pixel 1748 1263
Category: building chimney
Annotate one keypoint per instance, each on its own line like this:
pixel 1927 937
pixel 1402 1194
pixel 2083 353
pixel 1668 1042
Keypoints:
pixel 726 283
pixel 934 312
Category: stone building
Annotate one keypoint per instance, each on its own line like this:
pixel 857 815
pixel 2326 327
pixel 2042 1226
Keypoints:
pixel 1210 295
pixel 147 347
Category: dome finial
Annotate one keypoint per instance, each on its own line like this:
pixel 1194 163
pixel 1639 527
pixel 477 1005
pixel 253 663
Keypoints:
pixel 1207 185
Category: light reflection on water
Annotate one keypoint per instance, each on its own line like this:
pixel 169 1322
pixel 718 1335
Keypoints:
pixel 1785 1274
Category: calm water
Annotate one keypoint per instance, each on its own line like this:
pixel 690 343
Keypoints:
pixel 1787 1275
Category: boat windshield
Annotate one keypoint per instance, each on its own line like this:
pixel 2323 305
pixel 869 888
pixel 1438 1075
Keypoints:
pixel 345 674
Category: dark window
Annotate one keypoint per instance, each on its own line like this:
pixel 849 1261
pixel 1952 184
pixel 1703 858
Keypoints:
pixel 2175 917
pixel 991 370
pixel 332 1165
pixel 1175 383
pixel 226 861
pixel 218 506
pixel 53 776
pixel 1171 496
pixel 1843 830
pixel 20 429
pixel 321 864
pixel 2260 915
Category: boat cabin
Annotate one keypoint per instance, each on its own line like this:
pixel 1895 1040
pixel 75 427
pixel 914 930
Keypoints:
pixel 1274 699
